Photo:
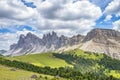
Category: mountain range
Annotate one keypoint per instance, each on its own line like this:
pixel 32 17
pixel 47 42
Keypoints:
pixel 97 40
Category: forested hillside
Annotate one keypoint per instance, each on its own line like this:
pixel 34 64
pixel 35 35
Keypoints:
pixel 80 65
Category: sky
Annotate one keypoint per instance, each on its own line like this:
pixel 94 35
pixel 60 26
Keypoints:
pixel 65 17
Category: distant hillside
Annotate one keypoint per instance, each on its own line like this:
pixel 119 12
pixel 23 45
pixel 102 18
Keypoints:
pixel 84 62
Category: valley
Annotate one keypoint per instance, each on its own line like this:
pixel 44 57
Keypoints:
pixel 77 60
pixel 92 57
pixel 59 39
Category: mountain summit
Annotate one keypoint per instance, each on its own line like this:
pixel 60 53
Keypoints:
pixel 98 40
pixel 102 35
pixel 103 41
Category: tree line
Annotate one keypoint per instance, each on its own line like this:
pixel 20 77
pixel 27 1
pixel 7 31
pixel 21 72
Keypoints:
pixel 64 72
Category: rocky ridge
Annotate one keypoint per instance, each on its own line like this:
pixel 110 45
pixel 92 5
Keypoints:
pixel 98 40
pixel 103 41
pixel 49 42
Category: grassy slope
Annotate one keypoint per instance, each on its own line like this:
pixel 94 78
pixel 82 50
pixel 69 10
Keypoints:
pixel 7 74
pixel 85 55
pixel 46 59
pixel 96 57
pixel 83 65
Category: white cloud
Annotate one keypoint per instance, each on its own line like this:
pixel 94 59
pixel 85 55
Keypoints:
pixel 116 25
pixel 108 17
pixel 7 39
pixel 51 15
pixel 16 10
pixel 16 13
pixel 61 16
pixel 79 10
pixel 113 8
pixel 75 17
pixel 69 10
pixel 101 3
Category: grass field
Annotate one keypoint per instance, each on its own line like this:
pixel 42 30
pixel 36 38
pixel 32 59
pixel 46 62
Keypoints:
pixel 9 73
pixel 86 55
pixel 46 59
pixel 115 74
pixel 87 63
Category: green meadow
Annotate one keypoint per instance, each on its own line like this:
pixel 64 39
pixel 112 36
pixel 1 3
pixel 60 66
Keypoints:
pixel 77 59
pixel 45 59
pixel 10 73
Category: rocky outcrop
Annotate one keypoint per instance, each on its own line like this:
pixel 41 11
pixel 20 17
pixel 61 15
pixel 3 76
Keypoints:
pixel 103 41
pixel 50 42
pixel 102 35
pixel 98 40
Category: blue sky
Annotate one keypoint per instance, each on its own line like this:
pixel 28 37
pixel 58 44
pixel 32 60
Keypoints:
pixel 69 17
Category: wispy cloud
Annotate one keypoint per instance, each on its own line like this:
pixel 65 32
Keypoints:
pixel 66 17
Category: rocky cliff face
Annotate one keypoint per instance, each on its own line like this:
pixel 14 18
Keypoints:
pixel 103 41
pixel 98 40
pixel 26 44
pixel 102 35
pixel 50 42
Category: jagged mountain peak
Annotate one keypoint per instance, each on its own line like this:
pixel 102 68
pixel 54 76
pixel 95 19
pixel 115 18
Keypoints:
pixel 30 34
pixel 48 35
pixel 50 42
pixel 22 36
pixel 97 40
pixel 54 33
